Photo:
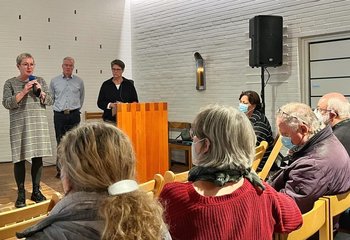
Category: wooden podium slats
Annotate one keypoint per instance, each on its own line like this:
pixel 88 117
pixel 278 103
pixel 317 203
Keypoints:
pixel 146 126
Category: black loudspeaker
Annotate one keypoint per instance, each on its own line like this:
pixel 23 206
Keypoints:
pixel 266 33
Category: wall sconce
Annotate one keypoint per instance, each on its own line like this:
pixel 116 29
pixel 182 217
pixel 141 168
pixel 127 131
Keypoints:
pixel 200 76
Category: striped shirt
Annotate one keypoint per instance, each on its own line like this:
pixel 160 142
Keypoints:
pixel 263 132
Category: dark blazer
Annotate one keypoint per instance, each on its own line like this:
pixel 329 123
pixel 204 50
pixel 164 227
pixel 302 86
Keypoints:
pixel 110 94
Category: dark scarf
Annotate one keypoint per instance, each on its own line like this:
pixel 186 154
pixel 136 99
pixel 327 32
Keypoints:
pixel 221 176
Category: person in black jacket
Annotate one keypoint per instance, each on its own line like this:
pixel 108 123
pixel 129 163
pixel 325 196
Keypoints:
pixel 116 90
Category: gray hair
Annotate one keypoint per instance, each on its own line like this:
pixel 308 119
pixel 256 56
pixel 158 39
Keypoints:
pixel 231 136
pixel 294 114
pixel 22 56
pixel 340 106
pixel 69 58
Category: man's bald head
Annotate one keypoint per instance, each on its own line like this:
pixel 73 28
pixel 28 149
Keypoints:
pixel 336 105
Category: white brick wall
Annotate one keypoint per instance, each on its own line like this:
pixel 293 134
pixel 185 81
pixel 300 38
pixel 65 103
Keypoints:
pixel 95 23
pixel 165 34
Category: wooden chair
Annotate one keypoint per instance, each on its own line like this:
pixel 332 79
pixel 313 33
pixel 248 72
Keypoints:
pixel 170 176
pixel 93 115
pixel 316 220
pixel 177 127
pixel 259 153
pixel 337 204
pixel 18 219
pixel 271 159
pixel 154 186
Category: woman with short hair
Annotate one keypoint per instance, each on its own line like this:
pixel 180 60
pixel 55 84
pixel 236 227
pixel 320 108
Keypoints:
pixel 224 198
pixel 249 103
pixel 26 97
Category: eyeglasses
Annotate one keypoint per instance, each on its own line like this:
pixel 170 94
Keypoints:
pixel 322 110
pixel 289 116
pixel 27 64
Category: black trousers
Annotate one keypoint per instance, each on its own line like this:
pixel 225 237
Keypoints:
pixel 64 123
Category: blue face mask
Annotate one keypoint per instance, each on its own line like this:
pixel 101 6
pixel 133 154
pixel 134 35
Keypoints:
pixel 243 107
pixel 287 142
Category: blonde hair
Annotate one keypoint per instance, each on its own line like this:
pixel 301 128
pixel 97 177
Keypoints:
pixel 231 136
pixel 94 156
pixel 22 56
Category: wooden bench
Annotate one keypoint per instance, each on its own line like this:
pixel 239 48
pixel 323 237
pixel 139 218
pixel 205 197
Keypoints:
pixel 153 187
pixel 18 219
pixel 316 220
pixel 170 176
pixel 93 115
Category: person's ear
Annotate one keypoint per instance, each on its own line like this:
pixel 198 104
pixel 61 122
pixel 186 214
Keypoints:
pixel 66 184
pixel 304 129
pixel 206 145
pixel 332 115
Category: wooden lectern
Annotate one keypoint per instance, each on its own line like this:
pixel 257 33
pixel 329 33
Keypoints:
pixel 146 124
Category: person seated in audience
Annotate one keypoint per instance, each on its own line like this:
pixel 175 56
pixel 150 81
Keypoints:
pixel 249 103
pixel 318 163
pixel 224 198
pixel 102 199
pixel 334 109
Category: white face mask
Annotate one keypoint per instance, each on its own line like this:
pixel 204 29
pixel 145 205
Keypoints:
pixel 322 118
pixel 195 155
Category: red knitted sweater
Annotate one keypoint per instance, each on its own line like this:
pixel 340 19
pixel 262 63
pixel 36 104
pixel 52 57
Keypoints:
pixel 246 214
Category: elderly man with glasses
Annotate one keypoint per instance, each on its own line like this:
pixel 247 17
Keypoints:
pixel 318 163
pixel 334 109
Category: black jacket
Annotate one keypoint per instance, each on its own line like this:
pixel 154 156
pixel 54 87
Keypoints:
pixel 110 94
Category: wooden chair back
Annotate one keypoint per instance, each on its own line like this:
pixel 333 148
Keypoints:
pixel 18 219
pixel 272 158
pixel 337 204
pixel 174 133
pixel 259 153
pixel 93 115
pixel 153 187
pixel 316 220
pixel 170 176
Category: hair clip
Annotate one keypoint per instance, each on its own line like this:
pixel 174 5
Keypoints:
pixel 123 186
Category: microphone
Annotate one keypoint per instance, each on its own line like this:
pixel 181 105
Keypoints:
pixel 36 91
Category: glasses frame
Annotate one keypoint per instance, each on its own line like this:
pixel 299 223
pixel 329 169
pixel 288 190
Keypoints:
pixel 28 64
pixel 287 115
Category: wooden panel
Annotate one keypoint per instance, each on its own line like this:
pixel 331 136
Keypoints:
pixel 93 115
pixel 146 124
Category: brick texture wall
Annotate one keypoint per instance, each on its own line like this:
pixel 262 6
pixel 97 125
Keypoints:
pixel 165 34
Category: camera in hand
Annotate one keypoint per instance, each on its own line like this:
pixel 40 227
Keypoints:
pixel 36 91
